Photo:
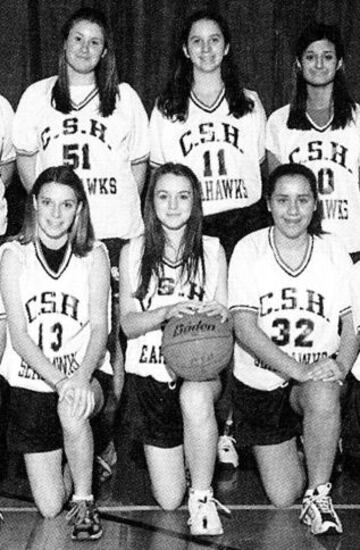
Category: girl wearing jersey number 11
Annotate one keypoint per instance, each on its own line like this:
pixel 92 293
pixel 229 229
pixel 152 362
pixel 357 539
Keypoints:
pixel 206 120
pixel 54 280
pixel 288 291
pixel 170 271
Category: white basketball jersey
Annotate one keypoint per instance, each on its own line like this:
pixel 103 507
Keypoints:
pixel 333 156
pixel 223 151
pixel 298 310
pixel 56 310
pixel 100 149
pixel 7 154
pixel 143 354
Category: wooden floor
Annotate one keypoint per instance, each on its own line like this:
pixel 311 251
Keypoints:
pixel 132 521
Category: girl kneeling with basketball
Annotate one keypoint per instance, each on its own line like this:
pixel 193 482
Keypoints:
pixel 55 286
pixel 173 270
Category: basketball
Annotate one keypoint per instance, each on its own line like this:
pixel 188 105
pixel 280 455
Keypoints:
pixel 197 347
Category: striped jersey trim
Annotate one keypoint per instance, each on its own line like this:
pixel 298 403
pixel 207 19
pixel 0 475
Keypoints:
pixel 292 272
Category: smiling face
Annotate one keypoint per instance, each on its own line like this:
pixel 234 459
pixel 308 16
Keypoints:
pixel 206 46
pixel 292 205
pixel 173 201
pixel 56 206
pixel 319 63
pixel 84 47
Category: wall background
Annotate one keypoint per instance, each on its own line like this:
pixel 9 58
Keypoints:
pixel 146 31
pixel 263 32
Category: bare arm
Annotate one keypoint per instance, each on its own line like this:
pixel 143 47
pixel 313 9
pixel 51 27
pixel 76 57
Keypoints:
pixel 79 382
pixel 134 323
pixel 255 341
pixel 218 306
pixel 26 165
pixel 139 172
pixel 335 370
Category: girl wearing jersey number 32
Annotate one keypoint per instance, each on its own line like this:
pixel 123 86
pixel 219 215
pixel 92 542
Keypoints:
pixel 288 291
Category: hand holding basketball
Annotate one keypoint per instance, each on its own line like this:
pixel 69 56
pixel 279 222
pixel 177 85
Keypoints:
pixel 188 307
pixel 214 308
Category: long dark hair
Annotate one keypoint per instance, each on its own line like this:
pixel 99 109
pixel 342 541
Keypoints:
pixel 173 102
pixel 344 104
pixel 105 73
pixel 294 169
pixel 155 238
pixel 81 234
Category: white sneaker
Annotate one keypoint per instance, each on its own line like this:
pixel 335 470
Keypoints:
pixel 318 512
pixel 204 518
pixel 226 451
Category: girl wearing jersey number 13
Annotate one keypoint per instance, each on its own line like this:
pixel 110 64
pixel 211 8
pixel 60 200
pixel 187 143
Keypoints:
pixel 170 271
pixel 55 287
pixel 288 291
pixel 85 118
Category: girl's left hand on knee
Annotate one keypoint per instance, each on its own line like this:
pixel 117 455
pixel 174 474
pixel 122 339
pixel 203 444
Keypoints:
pixel 81 395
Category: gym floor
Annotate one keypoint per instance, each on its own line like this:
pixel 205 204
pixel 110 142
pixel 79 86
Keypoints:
pixel 132 520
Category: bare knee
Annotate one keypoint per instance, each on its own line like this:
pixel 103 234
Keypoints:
pixel 197 401
pixel 49 510
pixel 322 399
pixel 169 502
pixel 286 496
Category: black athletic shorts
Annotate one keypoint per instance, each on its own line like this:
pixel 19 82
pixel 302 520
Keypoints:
pixel 263 417
pixel 153 411
pixel 34 424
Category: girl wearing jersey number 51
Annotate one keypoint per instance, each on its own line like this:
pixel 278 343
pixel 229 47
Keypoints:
pixel 85 119
pixel 321 129
pixel 288 291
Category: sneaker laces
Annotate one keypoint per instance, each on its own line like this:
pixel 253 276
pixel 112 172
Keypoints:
pixel 322 502
pixel 79 512
pixel 205 500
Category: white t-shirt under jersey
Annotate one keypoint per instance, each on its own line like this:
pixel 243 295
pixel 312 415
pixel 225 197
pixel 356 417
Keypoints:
pixel 299 310
pixel 100 149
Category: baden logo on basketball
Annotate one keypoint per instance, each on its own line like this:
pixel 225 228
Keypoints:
pixel 180 328
pixel 197 347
